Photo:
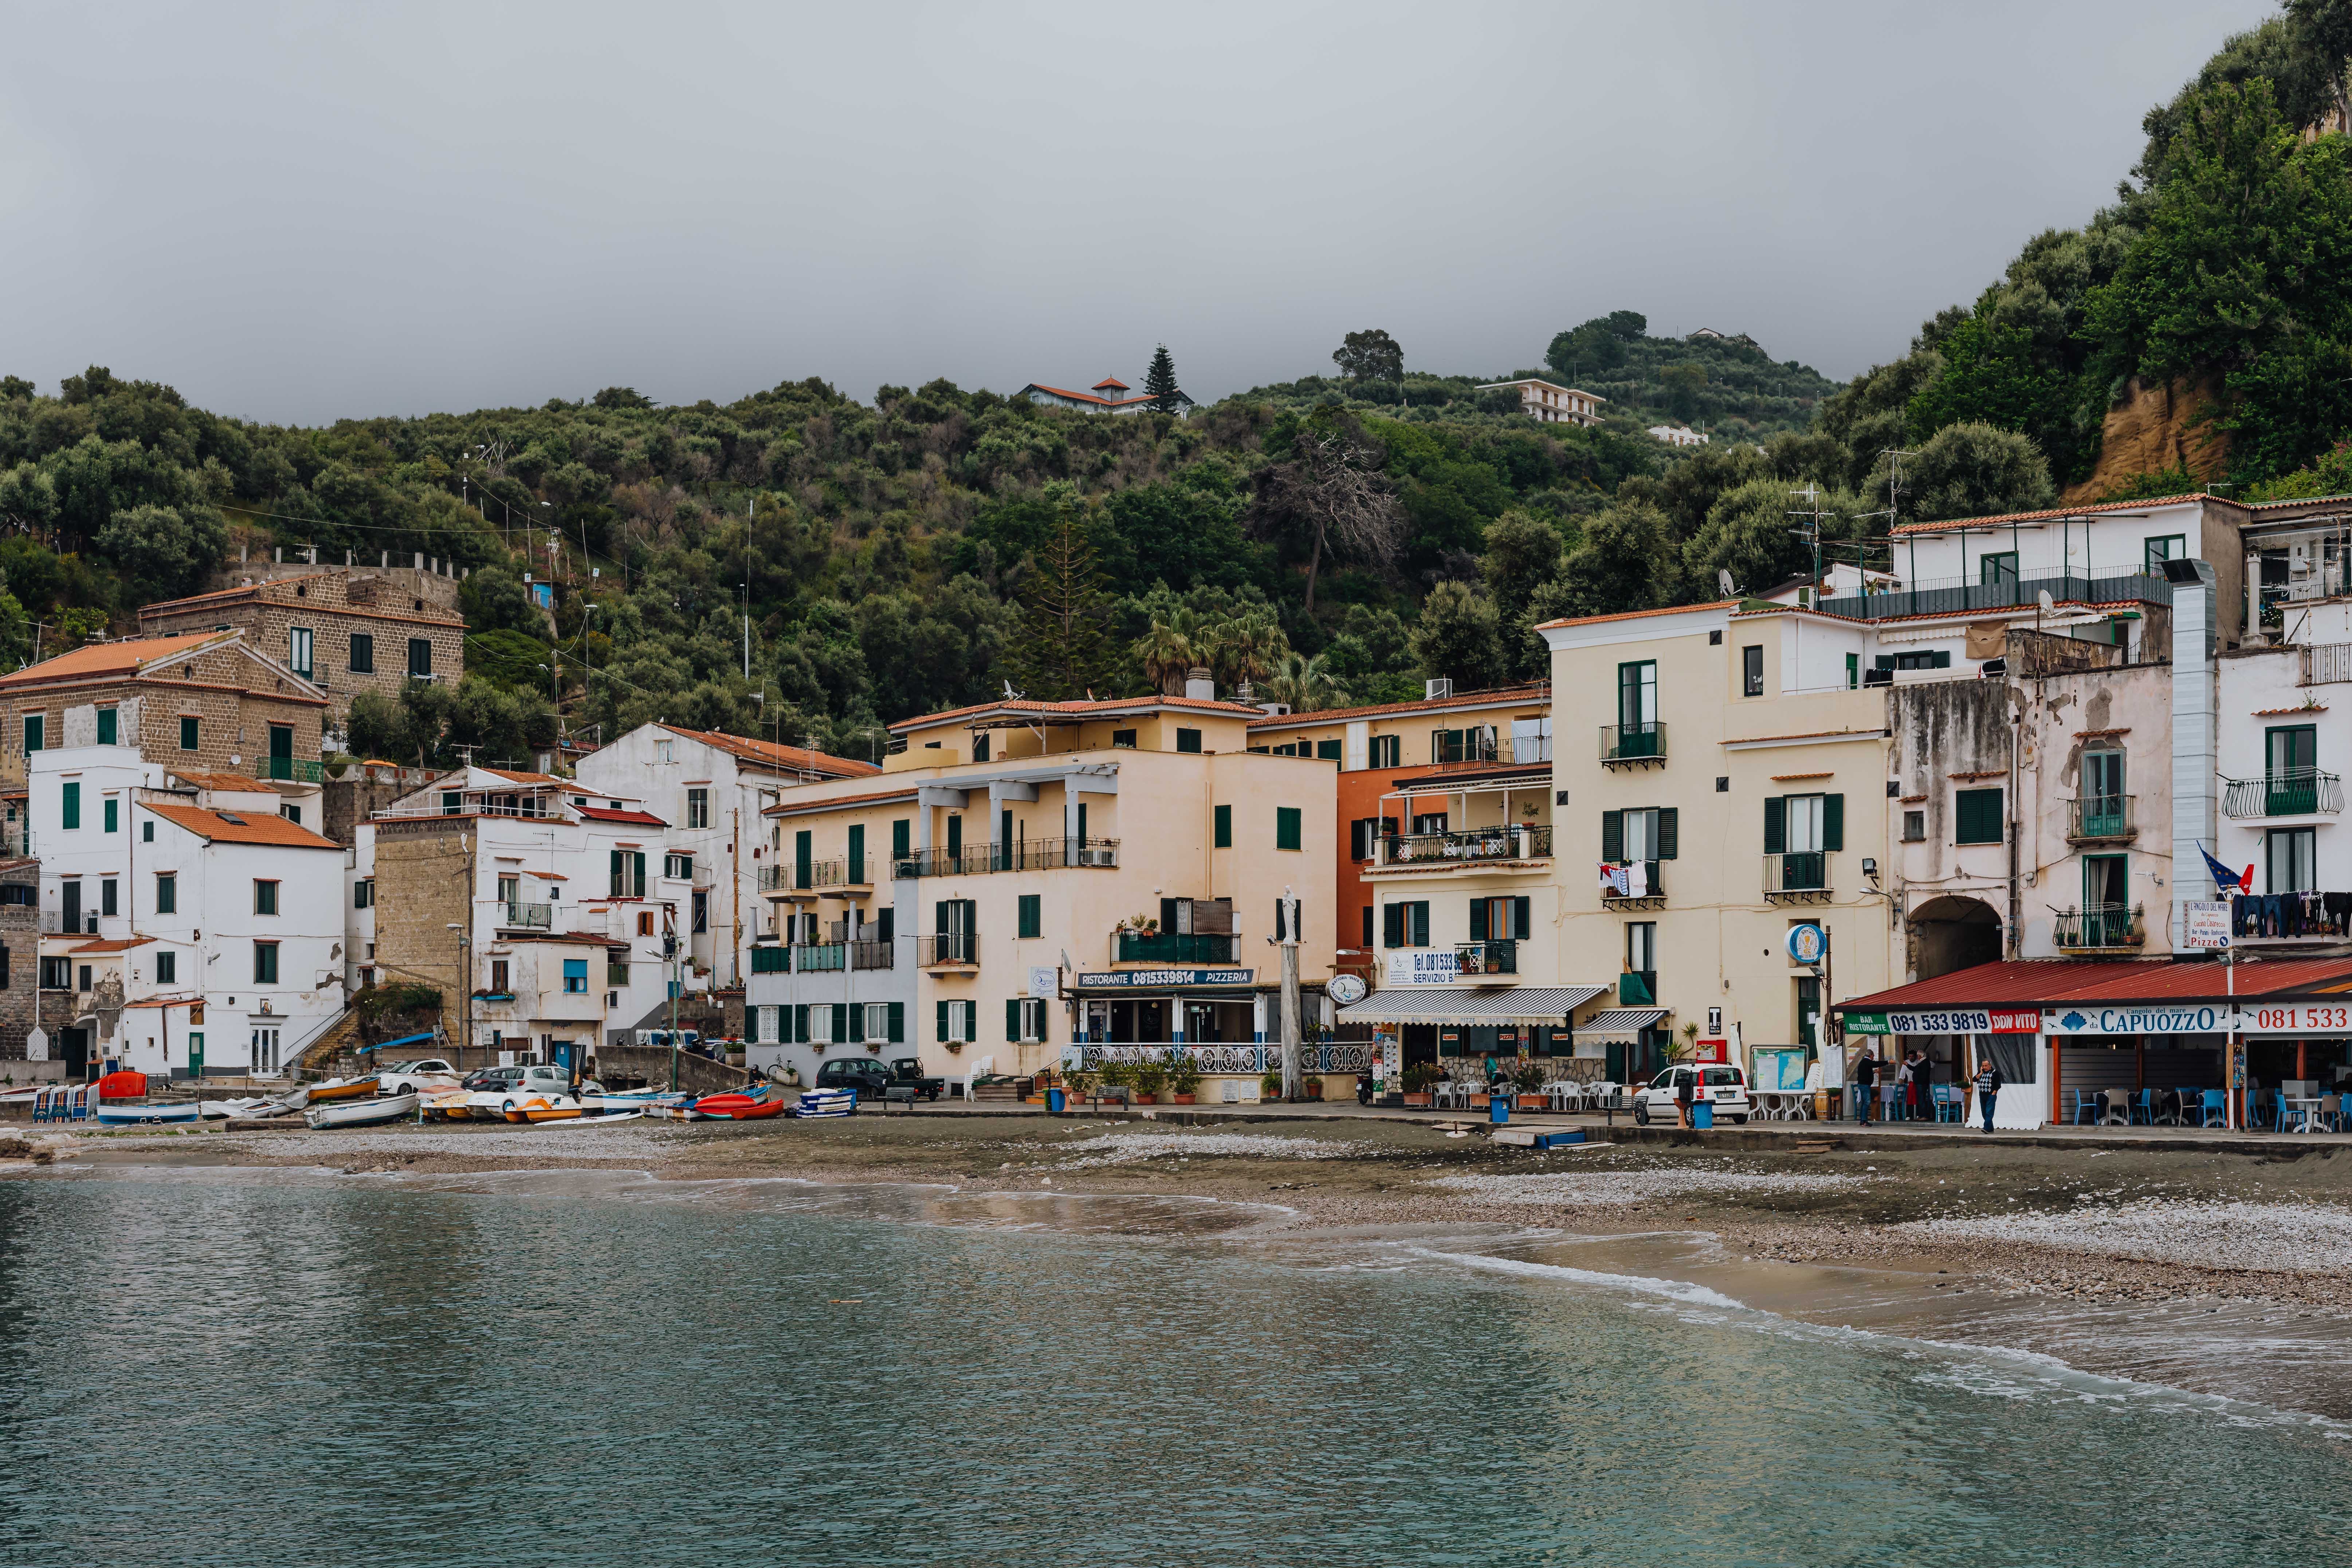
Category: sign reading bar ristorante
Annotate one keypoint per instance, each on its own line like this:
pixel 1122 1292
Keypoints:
pixel 1945 1021
pixel 1161 979
pixel 2191 1019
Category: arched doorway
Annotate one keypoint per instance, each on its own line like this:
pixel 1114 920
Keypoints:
pixel 1953 932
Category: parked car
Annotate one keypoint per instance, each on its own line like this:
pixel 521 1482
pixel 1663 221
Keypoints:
pixel 873 1080
pixel 489 1078
pixel 540 1082
pixel 1724 1087
pixel 431 1071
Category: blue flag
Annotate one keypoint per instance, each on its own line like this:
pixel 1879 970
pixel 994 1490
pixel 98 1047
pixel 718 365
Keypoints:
pixel 2223 876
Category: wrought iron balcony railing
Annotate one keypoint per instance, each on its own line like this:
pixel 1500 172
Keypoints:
pixel 2292 792
pixel 2095 818
pixel 1475 958
pixel 2099 928
pixel 1799 876
pixel 1173 947
pixel 1528 841
pixel 1633 743
pixel 946 948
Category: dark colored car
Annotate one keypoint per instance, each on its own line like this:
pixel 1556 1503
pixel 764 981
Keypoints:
pixel 491 1080
pixel 873 1080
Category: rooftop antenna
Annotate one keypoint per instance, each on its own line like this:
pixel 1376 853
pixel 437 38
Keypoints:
pixel 1811 530
pixel 1892 514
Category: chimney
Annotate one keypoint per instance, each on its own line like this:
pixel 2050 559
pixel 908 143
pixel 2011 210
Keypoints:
pixel 2195 719
pixel 1200 683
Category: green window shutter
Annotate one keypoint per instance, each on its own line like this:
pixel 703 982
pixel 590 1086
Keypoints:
pixel 1775 825
pixel 898 1023
pixel 955 840
pixel 1328 751
pixel 1421 924
pixel 804 857
pixel 1279 923
pixel 1669 831
pixel 1224 828
pixel 1522 918
pixel 857 852
pixel 1976 816
pixel 617 873
pixel 188 728
pixel 901 839
pixel 848 1022
pixel 637 874
pixel 106 726
pixel 1613 836
pixel 1286 827
pixel 886 923
pixel 799 1023
pixel 69 807
pixel 1033 920
pixel 943 1022
pixel 1477 919
pixel 1391 925
pixel 111 806
pixel 1013 1018
pixel 1833 822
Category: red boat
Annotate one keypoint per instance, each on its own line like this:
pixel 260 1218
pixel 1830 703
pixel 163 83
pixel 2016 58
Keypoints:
pixel 737 1106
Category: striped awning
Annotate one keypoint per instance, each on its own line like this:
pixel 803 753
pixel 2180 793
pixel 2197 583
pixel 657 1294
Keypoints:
pixel 1619 1023
pixel 1471 1005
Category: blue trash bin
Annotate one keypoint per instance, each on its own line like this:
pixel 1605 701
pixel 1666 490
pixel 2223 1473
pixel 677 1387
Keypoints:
pixel 1498 1108
pixel 1703 1115
pixel 1055 1101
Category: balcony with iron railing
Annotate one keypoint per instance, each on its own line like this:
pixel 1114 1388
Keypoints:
pixel 873 954
pixel 1799 877
pixel 1632 745
pixel 1633 890
pixel 2101 819
pixel 1173 947
pixel 527 917
pixel 1487 960
pixel 2099 928
pixel 946 950
pixel 1479 749
pixel 1961 595
pixel 1022 854
pixel 1504 841
pixel 54 923
pixel 2292 792
pixel 292 770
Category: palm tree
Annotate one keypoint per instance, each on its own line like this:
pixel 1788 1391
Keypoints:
pixel 1301 681
pixel 1170 649
pixel 1246 648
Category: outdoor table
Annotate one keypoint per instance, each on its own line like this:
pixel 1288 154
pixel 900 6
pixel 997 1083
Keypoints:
pixel 2305 1110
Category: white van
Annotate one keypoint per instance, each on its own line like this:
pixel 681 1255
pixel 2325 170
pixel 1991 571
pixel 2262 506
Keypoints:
pixel 1724 1087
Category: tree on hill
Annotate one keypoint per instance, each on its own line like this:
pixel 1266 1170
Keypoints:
pixel 1599 344
pixel 1332 496
pixel 1062 647
pixel 1369 355
pixel 1159 381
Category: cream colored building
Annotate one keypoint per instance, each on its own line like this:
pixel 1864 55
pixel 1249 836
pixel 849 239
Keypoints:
pixel 1551 404
pixel 1027 878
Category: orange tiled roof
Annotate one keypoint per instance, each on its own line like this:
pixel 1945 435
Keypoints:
pixel 112 944
pixel 249 829
pixel 797 757
pixel 798 805
pixel 524 778
pixel 1500 697
pixel 219 594
pixel 109 658
pixel 1953 524
pixel 232 782
pixel 1101 708
pixel 1637 615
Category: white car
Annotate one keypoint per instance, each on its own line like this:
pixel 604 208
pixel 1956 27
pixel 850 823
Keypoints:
pixel 537 1082
pixel 1724 1087
pixel 429 1073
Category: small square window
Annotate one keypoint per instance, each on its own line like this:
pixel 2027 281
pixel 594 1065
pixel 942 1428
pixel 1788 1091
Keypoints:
pixel 167 968
pixel 1915 827
pixel 265 898
pixel 1723 783
pixel 1188 739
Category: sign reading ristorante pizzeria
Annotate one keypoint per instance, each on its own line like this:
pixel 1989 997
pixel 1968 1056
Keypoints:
pixel 1159 979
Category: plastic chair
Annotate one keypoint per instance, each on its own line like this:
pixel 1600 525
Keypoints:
pixel 2143 1108
pixel 2088 1103
pixel 2216 1108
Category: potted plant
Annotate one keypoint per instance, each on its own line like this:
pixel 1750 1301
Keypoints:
pixel 1184 1078
pixel 1269 1087
pixel 1529 1078
pixel 1417 1080
pixel 1116 1075
pixel 1150 1077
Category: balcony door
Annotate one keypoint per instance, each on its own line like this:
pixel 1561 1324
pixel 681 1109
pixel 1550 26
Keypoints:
pixel 2106 900
pixel 2291 770
pixel 281 750
pixel 2102 795
pixel 1637 709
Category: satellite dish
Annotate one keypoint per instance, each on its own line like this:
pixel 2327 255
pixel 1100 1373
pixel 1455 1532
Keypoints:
pixel 1723 582
pixel 2047 604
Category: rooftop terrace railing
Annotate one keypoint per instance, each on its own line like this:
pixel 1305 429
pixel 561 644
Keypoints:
pixel 1959 595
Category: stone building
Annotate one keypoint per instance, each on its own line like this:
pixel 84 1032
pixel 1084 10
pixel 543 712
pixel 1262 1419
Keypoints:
pixel 208 702
pixel 344 631
pixel 20 920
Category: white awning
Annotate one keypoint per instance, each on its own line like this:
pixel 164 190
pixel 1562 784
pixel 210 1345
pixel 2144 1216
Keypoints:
pixel 1471 1005
pixel 1618 1024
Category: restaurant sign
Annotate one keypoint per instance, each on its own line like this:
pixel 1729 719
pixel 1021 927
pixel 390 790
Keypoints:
pixel 2193 1020
pixel 2293 1018
pixel 1946 1021
pixel 1439 968
pixel 1161 979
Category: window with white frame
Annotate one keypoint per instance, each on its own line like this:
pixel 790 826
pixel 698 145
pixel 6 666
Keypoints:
pixel 878 1021
pixel 698 808
pixel 771 1028
pixel 1804 829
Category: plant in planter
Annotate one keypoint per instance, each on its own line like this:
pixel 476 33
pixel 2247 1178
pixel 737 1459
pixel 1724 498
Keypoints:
pixel 1270 1086
pixel 1116 1075
pixel 1528 1078
pixel 1081 1082
pixel 1419 1079
pixel 1151 1077
pixel 1310 1088
pixel 1184 1077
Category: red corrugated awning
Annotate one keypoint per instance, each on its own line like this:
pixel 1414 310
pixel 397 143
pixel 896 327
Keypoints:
pixel 2051 981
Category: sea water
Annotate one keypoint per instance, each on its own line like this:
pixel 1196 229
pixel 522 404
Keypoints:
pixel 260 1368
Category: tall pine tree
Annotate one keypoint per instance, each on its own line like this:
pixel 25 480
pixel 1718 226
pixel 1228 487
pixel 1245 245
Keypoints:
pixel 1159 381
pixel 1064 648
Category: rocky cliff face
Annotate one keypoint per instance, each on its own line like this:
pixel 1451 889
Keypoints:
pixel 2155 426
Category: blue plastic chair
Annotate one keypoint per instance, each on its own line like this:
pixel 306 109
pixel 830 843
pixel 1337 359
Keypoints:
pixel 2087 1104
pixel 2216 1108
pixel 2143 1108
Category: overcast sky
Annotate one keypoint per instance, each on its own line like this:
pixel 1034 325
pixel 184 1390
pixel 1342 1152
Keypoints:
pixel 304 212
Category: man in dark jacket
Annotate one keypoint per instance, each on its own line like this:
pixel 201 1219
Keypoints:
pixel 1923 1083
pixel 1865 1079
pixel 1988 1089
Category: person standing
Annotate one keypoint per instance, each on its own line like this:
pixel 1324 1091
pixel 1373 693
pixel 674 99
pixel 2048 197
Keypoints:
pixel 1901 1111
pixel 1685 1090
pixel 1922 1086
pixel 1865 1084
pixel 1988 1089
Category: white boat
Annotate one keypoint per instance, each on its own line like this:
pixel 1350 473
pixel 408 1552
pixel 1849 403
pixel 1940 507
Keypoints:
pixel 120 1114
pixel 252 1108
pixel 362 1113
pixel 607 1119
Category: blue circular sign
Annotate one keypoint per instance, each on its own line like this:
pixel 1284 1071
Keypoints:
pixel 1808 944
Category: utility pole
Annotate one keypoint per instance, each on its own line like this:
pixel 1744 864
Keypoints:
pixel 1812 496
pixel 748 505
pixel 669 950
pixel 1291 1086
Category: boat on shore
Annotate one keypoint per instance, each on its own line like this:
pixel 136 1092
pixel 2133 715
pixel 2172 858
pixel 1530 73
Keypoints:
pixel 362 1113
pixel 735 1105
pixel 135 1114
pixel 342 1088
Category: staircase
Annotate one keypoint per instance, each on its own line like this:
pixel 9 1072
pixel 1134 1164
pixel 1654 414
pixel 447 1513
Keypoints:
pixel 341 1037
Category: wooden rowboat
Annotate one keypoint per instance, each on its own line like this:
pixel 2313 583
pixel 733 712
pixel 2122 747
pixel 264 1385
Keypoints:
pixel 119 1115
pixel 343 1089
pixel 737 1106
pixel 363 1112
